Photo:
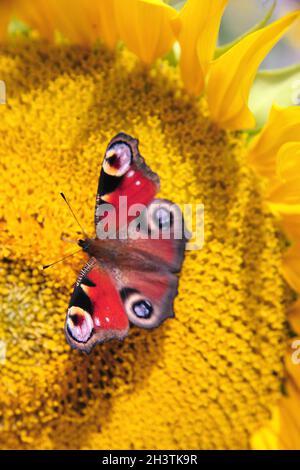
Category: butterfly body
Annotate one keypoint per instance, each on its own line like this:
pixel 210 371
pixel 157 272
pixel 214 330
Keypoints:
pixel 131 276
pixel 124 254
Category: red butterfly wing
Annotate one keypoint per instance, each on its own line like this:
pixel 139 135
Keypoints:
pixel 105 300
pixel 148 296
pixel 162 234
pixel 124 173
pixel 96 311
pixel 150 292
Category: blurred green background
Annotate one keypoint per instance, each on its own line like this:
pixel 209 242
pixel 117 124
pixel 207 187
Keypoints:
pixel 241 15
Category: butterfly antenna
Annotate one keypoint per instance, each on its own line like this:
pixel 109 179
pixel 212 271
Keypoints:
pixel 62 259
pixel 73 213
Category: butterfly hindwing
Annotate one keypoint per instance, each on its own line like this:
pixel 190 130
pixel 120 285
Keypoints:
pixel 96 312
pixel 163 234
pixel 149 294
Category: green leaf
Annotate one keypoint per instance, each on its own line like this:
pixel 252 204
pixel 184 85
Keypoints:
pixel 222 49
pixel 16 27
pixel 177 4
pixel 173 55
pixel 280 86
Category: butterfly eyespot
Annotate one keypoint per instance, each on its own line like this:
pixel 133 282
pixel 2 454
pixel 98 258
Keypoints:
pixel 79 324
pixel 142 308
pixel 163 217
pixel 137 307
pixel 117 159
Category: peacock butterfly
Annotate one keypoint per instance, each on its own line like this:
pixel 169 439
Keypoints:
pixel 131 276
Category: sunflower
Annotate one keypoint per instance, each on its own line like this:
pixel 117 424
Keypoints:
pixel 225 372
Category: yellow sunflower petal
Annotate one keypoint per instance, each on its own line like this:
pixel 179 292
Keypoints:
pixel 292 362
pixel 107 26
pixel 284 188
pixel 83 23
pixel 282 432
pixel 291 266
pixel 5 13
pixel 283 126
pixel 284 426
pixel 88 21
pixel 266 438
pixel 148 29
pixel 289 413
pixel 286 191
pixel 290 405
pixel 200 21
pixel 91 20
pixel 39 14
pixel 294 317
pixel 288 161
pixel 291 223
pixel 232 75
